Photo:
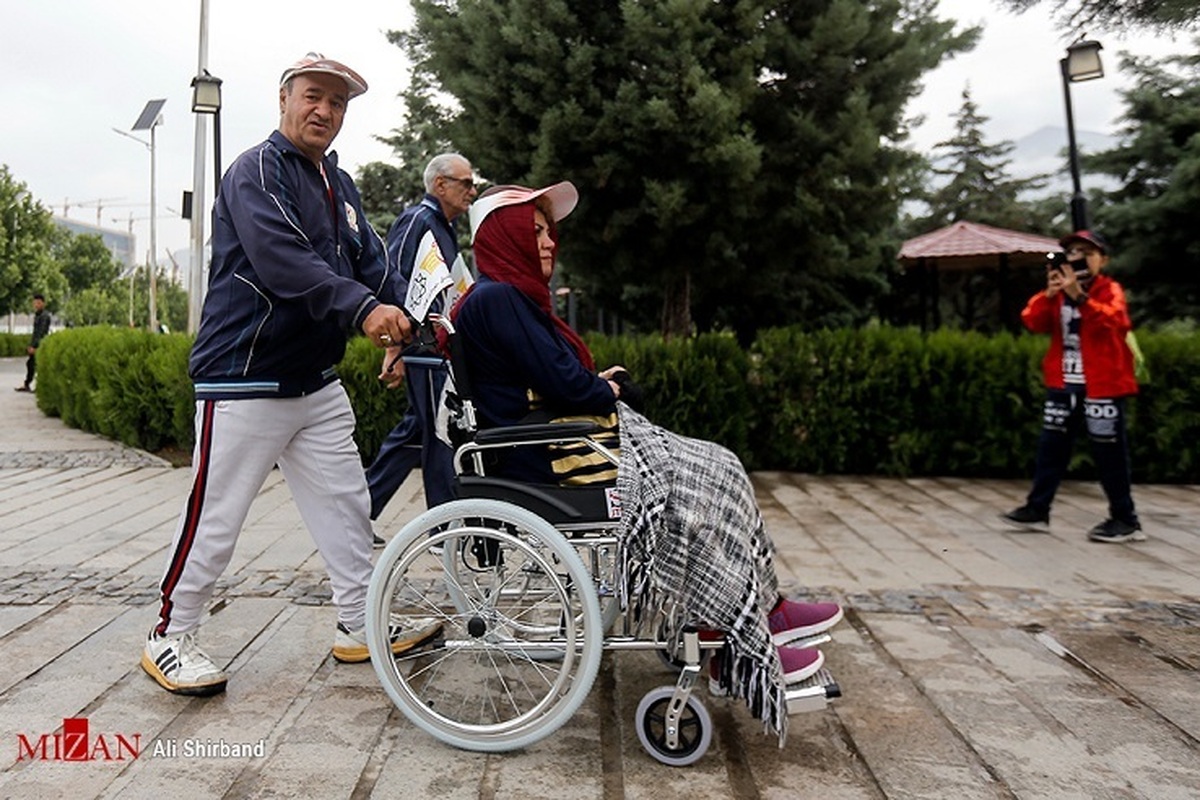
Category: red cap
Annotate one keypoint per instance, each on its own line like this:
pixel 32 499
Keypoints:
pixel 1091 237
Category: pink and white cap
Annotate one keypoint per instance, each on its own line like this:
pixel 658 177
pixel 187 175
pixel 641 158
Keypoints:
pixel 316 62
pixel 562 196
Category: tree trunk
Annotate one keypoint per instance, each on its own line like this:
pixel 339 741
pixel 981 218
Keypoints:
pixel 677 306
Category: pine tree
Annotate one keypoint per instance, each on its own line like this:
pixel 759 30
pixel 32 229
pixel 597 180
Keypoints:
pixel 737 159
pixel 1153 219
pixel 1119 14
pixel 978 187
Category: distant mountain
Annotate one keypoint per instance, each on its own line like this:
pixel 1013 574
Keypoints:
pixel 1045 152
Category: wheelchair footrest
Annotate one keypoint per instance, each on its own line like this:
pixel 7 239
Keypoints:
pixel 814 694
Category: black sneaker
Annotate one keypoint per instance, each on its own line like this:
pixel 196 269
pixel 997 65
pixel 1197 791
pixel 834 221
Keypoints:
pixel 1028 518
pixel 1117 530
pixel 378 541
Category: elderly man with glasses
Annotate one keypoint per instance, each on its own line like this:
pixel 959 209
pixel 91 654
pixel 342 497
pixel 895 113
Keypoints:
pixel 422 231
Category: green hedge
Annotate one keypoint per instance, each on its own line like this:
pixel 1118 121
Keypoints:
pixel 1166 415
pixel 693 386
pixel 875 401
pixel 895 401
pixel 376 408
pixel 13 344
pixel 129 385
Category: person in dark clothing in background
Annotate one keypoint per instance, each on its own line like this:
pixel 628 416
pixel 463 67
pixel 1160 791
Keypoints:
pixel 449 190
pixel 41 328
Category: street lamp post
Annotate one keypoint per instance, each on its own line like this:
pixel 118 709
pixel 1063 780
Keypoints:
pixel 206 99
pixel 148 120
pixel 1082 63
pixel 151 118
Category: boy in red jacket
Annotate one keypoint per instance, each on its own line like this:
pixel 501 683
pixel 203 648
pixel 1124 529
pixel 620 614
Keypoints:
pixel 1088 371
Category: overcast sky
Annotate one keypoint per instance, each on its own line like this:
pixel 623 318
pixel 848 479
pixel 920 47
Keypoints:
pixel 76 69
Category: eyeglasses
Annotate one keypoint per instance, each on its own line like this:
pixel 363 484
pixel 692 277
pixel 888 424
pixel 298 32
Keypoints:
pixel 466 183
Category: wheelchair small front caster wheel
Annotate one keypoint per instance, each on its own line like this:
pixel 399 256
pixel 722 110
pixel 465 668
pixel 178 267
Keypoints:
pixel 693 728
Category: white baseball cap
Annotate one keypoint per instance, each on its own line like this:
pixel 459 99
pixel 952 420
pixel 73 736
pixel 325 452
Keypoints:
pixel 316 62
pixel 562 196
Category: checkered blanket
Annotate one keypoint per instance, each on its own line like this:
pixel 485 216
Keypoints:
pixel 693 539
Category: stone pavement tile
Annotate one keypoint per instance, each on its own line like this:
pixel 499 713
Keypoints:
pixel 912 750
pixel 16 616
pixel 328 744
pixel 269 682
pixel 1121 734
pixel 947 657
pixel 1034 752
pixel 1148 662
pixel 68 684
pixel 28 649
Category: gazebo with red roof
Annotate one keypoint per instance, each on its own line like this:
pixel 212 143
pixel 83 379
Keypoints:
pixel 973 247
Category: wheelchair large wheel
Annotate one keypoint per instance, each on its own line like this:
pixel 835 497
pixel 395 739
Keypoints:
pixel 521 626
pixel 599 557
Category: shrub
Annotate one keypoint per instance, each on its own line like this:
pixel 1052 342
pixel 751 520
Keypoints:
pixel 889 401
pixel 696 387
pixel 376 408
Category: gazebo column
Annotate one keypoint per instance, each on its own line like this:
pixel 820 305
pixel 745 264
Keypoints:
pixel 936 292
pixel 922 292
pixel 1004 281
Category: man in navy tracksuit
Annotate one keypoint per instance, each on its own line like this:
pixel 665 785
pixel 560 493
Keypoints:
pixel 295 269
pixel 449 190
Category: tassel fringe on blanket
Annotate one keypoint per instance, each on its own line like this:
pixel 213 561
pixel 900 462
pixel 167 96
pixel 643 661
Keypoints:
pixel 693 539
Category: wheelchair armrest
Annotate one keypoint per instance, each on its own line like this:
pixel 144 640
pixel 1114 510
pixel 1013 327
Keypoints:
pixel 516 434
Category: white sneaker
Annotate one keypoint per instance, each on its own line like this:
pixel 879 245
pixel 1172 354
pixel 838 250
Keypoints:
pixel 180 666
pixel 350 647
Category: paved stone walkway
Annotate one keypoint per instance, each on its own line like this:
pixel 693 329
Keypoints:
pixel 976 662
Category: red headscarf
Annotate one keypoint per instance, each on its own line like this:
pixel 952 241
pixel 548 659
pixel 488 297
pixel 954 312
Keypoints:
pixel 506 250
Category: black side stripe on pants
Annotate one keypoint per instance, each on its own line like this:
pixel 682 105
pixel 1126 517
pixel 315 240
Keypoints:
pixel 191 521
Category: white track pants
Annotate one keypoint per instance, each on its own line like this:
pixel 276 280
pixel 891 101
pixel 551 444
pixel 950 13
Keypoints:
pixel 238 442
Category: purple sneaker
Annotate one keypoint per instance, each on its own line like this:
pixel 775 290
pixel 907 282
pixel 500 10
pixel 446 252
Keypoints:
pixel 799 664
pixel 791 621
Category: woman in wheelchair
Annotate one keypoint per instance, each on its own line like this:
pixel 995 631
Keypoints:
pixel 692 531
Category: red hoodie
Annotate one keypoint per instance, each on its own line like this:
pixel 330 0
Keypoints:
pixel 1104 323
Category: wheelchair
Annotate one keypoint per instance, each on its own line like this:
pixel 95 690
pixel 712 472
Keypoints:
pixel 524 580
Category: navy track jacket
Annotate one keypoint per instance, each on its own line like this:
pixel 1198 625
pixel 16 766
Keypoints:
pixel 295 268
